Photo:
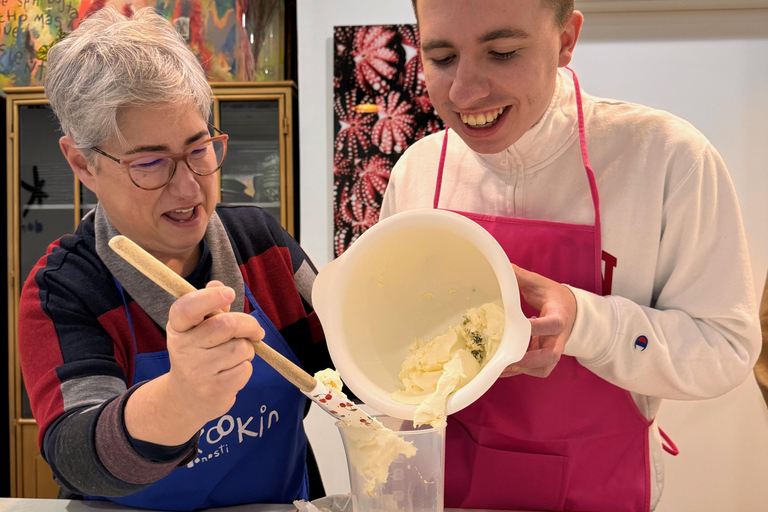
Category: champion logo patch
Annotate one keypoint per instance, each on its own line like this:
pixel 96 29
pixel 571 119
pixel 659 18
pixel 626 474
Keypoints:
pixel 641 343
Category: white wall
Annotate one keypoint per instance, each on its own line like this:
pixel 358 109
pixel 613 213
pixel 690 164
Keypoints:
pixel 708 67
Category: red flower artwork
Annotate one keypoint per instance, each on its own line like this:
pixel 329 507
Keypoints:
pixel 375 60
pixel 394 126
pixel 372 180
pixel 381 107
pixel 354 136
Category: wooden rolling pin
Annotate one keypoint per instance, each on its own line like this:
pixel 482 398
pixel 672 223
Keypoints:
pixel 174 284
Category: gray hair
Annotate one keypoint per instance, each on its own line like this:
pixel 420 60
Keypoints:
pixel 111 61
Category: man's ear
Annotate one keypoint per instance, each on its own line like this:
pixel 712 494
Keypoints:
pixel 569 36
pixel 80 165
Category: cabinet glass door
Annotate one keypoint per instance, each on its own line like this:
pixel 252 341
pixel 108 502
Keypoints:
pixel 46 191
pixel 46 195
pixel 252 169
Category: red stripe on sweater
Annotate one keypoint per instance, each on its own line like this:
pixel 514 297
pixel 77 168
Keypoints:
pixel 267 284
pixel 116 324
pixel 43 386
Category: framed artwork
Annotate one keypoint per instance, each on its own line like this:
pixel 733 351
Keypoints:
pixel 381 107
pixel 235 40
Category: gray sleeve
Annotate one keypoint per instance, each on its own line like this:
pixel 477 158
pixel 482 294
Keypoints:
pixel 90 453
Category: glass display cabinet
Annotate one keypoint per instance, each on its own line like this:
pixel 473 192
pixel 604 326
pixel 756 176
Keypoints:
pixel 46 201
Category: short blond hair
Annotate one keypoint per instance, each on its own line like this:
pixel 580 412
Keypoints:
pixel 562 9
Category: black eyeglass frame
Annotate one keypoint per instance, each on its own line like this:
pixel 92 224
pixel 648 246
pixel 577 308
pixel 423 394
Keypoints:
pixel 126 162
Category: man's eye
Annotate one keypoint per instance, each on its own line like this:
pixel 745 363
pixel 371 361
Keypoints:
pixel 442 62
pixel 503 55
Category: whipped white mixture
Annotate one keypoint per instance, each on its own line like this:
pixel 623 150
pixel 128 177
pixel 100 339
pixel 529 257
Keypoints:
pixel 434 370
pixel 371 449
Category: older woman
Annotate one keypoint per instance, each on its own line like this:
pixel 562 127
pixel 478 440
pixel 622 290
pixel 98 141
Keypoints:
pixel 141 399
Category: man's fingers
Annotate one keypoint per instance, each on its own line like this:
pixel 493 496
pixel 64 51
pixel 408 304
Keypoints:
pixel 536 363
pixel 533 286
pixel 524 277
pixel 550 325
pixel 540 358
pixel 511 371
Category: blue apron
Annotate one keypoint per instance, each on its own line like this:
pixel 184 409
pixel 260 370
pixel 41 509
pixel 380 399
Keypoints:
pixel 256 453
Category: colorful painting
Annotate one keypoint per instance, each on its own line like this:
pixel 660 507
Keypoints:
pixel 235 40
pixel 381 107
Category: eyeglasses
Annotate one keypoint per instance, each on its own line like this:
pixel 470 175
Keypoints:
pixel 153 172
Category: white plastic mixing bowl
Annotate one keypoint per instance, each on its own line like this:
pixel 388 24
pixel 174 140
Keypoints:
pixel 414 274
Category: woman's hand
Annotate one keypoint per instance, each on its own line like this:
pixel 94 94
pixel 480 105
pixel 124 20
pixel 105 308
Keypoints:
pixel 210 356
pixel 210 362
pixel 550 331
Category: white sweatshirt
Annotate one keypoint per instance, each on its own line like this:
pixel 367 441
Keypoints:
pixel 670 216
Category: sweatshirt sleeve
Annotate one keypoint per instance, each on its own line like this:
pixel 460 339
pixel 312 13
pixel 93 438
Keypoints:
pixel 75 375
pixel 699 337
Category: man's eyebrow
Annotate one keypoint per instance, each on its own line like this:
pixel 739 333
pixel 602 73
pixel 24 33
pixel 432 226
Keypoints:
pixel 435 44
pixel 504 33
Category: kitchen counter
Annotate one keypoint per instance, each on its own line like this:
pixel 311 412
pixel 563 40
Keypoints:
pixel 39 505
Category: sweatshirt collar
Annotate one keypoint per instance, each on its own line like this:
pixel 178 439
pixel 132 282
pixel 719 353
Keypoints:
pixel 545 139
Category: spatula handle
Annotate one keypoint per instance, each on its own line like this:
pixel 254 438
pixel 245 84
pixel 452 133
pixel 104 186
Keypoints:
pixel 174 284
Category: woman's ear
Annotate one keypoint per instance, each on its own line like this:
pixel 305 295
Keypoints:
pixel 80 165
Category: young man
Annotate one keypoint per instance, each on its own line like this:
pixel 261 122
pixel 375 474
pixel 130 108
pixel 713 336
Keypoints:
pixel 628 208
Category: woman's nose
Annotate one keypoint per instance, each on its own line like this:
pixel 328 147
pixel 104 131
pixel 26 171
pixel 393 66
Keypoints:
pixel 184 181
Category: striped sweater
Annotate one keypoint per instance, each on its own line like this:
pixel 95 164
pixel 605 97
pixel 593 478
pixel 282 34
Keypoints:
pixel 77 351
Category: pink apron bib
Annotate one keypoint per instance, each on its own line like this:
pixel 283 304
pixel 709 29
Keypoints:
pixel 571 441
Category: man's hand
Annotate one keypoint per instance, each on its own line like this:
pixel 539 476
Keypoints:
pixel 550 331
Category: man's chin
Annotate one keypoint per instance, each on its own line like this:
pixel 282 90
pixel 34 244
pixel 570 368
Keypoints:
pixel 489 146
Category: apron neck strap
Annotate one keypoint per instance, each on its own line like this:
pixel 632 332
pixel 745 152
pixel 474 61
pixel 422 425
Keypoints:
pixel 584 153
pixel 439 184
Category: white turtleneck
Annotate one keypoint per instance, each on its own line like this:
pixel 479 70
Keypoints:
pixel 669 215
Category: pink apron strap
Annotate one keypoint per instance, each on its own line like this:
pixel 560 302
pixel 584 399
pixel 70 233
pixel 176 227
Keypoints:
pixel 668 445
pixel 592 183
pixel 439 183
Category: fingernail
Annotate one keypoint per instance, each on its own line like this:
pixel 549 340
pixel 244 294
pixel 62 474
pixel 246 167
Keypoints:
pixel 228 293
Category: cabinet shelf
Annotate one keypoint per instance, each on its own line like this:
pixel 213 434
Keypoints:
pixel 48 207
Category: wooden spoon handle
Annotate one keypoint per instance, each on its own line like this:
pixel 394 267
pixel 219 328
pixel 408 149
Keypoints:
pixel 174 284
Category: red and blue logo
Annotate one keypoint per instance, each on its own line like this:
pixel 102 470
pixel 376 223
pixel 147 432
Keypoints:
pixel 641 343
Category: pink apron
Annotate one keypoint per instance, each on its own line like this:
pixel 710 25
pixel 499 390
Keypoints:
pixel 571 441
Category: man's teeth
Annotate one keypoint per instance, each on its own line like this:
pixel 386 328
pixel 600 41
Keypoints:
pixel 185 210
pixel 483 118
